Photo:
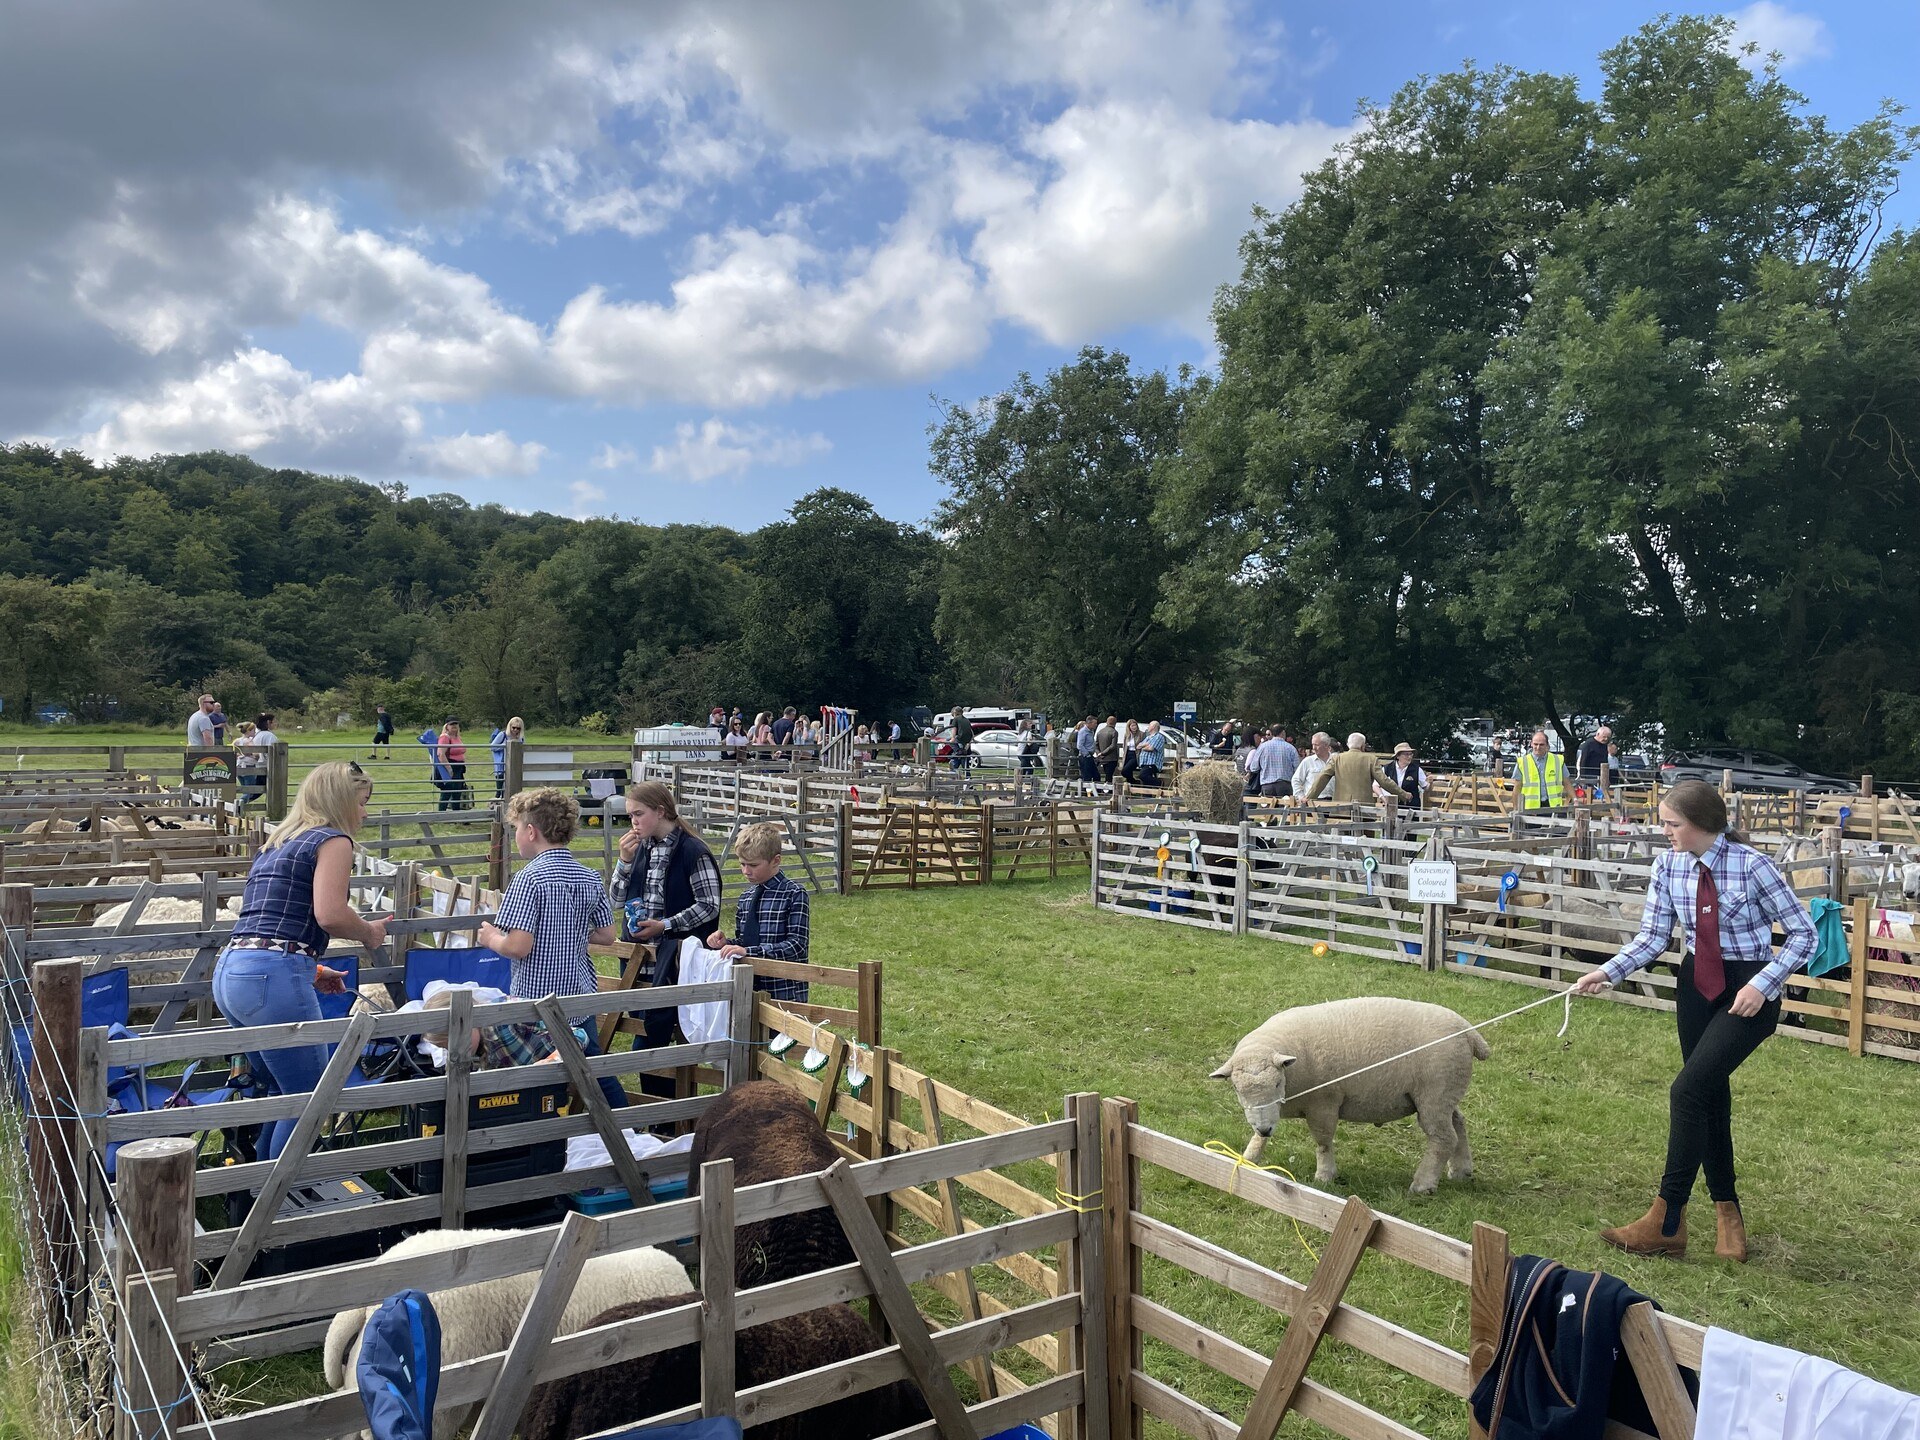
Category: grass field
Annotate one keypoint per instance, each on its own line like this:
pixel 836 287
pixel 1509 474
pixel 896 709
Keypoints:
pixel 1020 993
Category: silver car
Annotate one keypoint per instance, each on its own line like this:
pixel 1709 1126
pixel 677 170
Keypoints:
pixel 1752 770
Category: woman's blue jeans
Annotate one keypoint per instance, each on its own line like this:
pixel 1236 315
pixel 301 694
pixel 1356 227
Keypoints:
pixel 271 987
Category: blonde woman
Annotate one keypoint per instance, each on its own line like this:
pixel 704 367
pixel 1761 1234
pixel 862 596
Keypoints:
pixel 296 900
pixel 514 729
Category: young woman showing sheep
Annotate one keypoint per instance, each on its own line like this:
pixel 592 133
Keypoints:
pixel 1727 898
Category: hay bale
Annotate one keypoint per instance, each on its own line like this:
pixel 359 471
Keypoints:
pixel 1214 790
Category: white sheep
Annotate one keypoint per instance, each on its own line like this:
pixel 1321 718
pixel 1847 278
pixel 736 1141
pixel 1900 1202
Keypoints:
pixel 176 912
pixel 480 1319
pixel 1300 1050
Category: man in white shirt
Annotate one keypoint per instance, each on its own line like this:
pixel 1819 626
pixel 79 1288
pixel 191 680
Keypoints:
pixel 200 726
pixel 1310 766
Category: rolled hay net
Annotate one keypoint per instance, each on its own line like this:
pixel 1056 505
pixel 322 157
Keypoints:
pixel 1213 789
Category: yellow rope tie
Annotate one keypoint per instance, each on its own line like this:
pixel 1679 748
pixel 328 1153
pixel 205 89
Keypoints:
pixel 1088 1204
pixel 1240 1162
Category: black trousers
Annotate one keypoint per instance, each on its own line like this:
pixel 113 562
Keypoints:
pixel 1713 1043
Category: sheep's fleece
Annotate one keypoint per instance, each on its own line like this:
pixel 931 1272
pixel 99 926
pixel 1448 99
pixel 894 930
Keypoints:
pixel 480 1319
pixel 1302 1048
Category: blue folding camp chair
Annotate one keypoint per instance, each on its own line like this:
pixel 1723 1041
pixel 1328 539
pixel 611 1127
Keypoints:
pixel 105 999
pixel 466 965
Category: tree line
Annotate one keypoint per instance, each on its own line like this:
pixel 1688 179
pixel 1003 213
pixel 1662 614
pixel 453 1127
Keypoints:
pixel 1535 402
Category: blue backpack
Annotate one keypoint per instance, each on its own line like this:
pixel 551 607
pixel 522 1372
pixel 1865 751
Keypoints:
pixel 399 1368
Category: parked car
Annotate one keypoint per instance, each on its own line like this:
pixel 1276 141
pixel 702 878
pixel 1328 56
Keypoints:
pixel 1752 770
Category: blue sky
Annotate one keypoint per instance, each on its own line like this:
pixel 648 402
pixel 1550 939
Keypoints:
pixel 686 261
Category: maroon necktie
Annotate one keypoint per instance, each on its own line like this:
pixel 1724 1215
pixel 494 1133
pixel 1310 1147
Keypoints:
pixel 1709 975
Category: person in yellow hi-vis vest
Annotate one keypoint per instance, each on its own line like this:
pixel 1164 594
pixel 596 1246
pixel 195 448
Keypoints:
pixel 1540 776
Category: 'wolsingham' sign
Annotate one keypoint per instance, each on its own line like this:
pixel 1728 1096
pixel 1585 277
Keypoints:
pixel 208 770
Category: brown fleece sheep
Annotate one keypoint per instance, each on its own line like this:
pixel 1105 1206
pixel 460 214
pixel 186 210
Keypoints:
pixel 770 1133
pixel 632 1390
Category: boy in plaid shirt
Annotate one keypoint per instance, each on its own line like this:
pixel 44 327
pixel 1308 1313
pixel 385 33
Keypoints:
pixel 771 918
pixel 552 910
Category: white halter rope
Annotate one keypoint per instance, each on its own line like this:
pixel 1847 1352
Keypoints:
pixel 1565 996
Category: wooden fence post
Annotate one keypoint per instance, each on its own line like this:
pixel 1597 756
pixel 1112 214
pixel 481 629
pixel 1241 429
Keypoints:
pixel 1242 878
pixel 868 1026
pixel 986 842
pixel 16 914
pixel 453 1113
pixel 277 781
pixel 1858 969
pixel 1093 868
pixel 53 1133
pixel 516 771
pixel 1120 1196
pixel 1486 1303
pixel 156 1381
pixel 1090 1350
pixel 1837 860
pixel 716 1290
pixel 155 1194
pixel 843 846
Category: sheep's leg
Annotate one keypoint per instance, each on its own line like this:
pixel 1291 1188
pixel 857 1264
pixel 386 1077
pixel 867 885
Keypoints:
pixel 1460 1167
pixel 1323 1121
pixel 1441 1142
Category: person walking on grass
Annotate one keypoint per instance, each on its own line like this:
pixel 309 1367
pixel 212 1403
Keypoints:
pixel 668 884
pixel 553 910
pixel 297 901
pixel 1540 775
pixel 514 729
pixel 382 731
pixel 1727 898
pixel 200 734
pixel 451 751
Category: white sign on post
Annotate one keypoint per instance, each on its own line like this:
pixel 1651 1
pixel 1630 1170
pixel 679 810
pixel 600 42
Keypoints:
pixel 1433 882
pixel 1185 708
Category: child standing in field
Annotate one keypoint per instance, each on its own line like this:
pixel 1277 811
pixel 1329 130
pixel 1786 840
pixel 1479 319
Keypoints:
pixel 771 917
pixel 553 910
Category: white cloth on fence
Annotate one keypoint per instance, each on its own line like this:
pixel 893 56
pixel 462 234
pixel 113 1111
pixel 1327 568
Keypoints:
pixel 482 995
pixel 701 966
pixel 1750 1390
pixel 584 1152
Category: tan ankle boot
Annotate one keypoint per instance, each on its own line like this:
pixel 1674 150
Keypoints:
pixel 1730 1231
pixel 1643 1236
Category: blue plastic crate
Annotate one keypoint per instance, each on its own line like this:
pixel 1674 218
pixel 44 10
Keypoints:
pixel 614 1198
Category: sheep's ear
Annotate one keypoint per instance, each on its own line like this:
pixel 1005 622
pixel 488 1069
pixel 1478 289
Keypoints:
pixel 1223 1073
pixel 1282 1061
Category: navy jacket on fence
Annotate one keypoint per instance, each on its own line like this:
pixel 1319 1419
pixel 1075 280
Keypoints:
pixel 399 1368
pixel 1556 1374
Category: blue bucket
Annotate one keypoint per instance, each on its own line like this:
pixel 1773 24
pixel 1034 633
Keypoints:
pixel 1021 1432
pixel 1174 907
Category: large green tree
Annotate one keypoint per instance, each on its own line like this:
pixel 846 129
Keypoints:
pixel 1053 584
pixel 47 634
pixel 840 608
pixel 1699 420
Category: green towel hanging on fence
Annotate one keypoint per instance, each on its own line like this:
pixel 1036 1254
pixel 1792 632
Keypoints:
pixel 1833 952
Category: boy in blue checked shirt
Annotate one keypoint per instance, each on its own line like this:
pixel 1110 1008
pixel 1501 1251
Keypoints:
pixel 553 910
pixel 771 918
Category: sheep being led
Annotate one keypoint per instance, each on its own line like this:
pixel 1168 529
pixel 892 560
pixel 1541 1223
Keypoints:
pixel 480 1319
pixel 1313 1052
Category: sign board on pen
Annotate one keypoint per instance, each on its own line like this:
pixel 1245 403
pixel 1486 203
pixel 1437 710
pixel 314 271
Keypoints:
pixel 1185 709
pixel 1433 882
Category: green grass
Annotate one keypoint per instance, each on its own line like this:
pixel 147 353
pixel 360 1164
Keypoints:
pixel 1022 993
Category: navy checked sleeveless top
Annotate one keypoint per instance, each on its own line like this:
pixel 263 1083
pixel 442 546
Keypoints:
pixel 278 903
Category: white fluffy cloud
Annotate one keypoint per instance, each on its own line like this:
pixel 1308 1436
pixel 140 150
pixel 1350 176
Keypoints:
pixel 1774 29
pixel 258 402
pixel 796 168
pixel 715 448
pixel 1128 215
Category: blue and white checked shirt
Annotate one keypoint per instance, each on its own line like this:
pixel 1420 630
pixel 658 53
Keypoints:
pixel 785 916
pixel 559 902
pixel 1274 760
pixel 1754 897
